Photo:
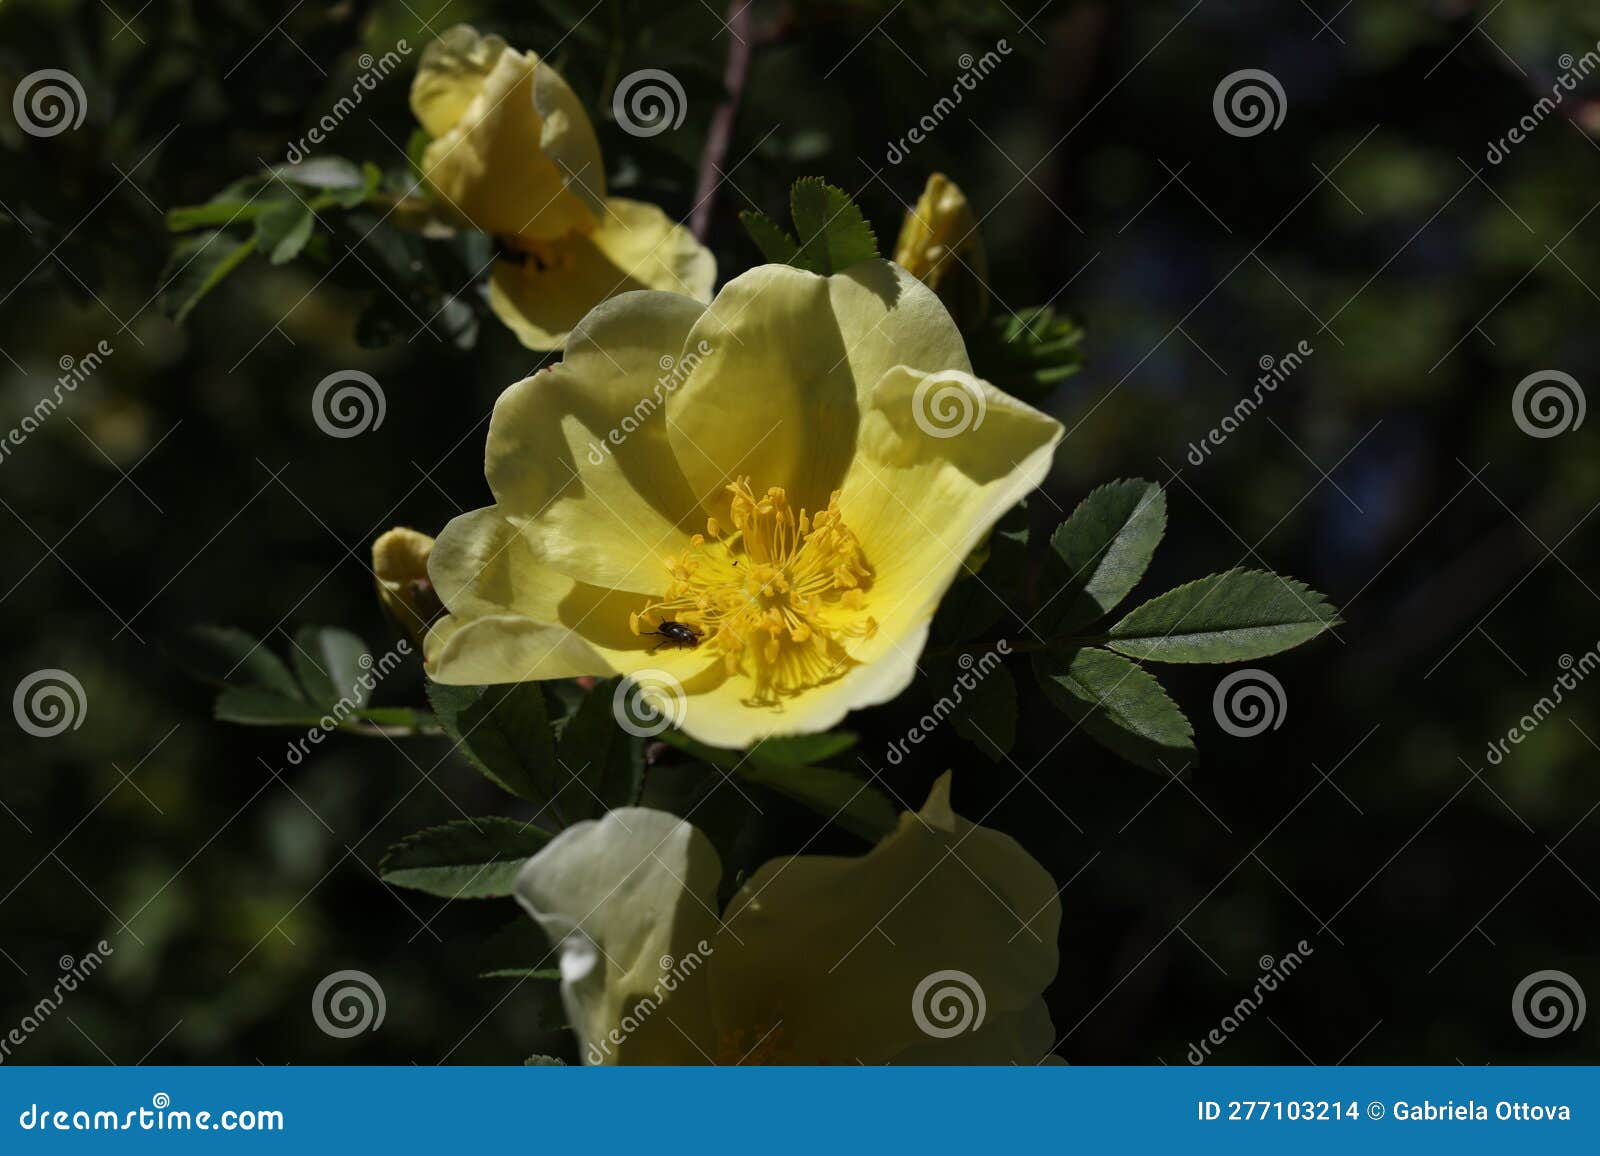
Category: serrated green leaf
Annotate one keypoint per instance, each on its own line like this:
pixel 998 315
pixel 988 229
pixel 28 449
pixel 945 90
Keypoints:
pixel 504 731
pixel 987 713
pixel 228 656
pixel 463 859
pixel 836 795
pixel 283 230
pixel 1119 705
pixel 255 706
pixel 197 266
pixel 1105 546
pixel 832 231
pixel 601 766
pixel 1229 617
pixel 776 245
pixel 327 660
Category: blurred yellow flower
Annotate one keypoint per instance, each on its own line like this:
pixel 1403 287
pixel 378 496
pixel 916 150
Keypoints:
pixel 513 154
pixel 939 244
pixel 933 948
pixel 400 566
pixel 790 477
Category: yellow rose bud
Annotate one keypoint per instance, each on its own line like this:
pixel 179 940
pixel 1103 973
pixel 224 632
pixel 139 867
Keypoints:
pixel 400 564
pixel 940 246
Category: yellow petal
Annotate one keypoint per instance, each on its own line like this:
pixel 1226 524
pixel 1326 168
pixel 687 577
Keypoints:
pixel 513 619
pixel 835 949
pixel 940 458
pixel 629 901
pixel 791 355
pixel 578 456
pixel 567 137
pixel 486 164
pixel 636 246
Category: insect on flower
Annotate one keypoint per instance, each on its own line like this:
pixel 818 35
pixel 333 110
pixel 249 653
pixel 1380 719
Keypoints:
pixel 677 633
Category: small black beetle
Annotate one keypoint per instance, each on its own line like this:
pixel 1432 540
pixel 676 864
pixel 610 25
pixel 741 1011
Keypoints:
pixel 677 633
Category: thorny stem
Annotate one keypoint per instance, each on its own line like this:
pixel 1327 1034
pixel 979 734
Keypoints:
pixel 715 153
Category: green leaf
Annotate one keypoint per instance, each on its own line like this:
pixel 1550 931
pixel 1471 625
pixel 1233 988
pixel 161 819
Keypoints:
pixel 505 733
pixel 776 245
pixel 328 661
pixel 834 234
pixel 1106 545
pixel 463 859
pixel 1230 617
pixel 543 1062
pixel 990 585
pixel 228 656
pixel 323 173
pixel 839 796
pixel 1119 705
pixel 799 750
pixel 197 266
pixel 1027 353
pixel 987 713
pixel 601 766
pixel 257 707
pixel 417 144
pixel 283 230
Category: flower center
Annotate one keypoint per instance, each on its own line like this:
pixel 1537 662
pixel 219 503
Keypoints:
pixel 776 598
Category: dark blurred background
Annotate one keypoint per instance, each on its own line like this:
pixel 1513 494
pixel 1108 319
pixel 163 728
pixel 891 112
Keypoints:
pixel 184 482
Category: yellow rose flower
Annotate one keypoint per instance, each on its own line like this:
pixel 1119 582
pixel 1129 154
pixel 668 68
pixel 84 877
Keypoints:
pixel 400 566
pixel 791 475
pixel 933 948
pixel 939 244
pixel 514 155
